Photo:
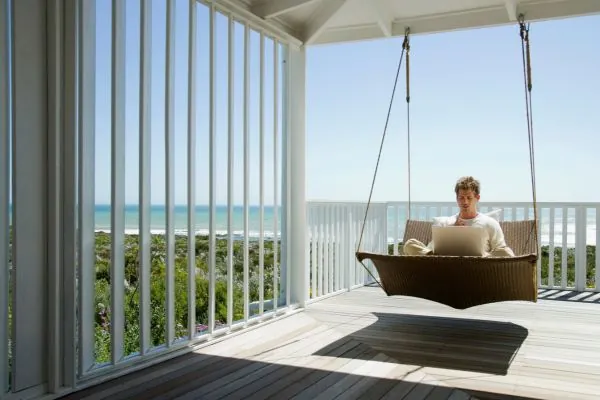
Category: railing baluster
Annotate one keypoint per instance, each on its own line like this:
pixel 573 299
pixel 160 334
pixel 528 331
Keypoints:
pixel 596 244
pixel 212 169
pixel 551 248
pixel 321 227
pixel 396 210
pixel 313 257
pixel 117 273
pixel 330 247
pixel 353 246
pixel 170 167
pixel 4 192
pixel 144 176
pixel 277 126
pixel 261 122
pixel 191 172
pixel 230 167
pixel 580 247
pixel 344 248
pixel 539 247
pixel 61 230
pixel 338 234
pixel 564 265
pixel 246 167
pixel 86 186
pixel 325 250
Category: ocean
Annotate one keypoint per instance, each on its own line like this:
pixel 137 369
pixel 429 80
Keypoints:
pixel 158 221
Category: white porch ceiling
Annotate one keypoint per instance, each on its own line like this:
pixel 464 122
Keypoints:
pixel 334 21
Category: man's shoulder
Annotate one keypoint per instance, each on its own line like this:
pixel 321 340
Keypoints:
pixel 488 220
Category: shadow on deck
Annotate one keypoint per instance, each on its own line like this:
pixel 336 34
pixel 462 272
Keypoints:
pixel 196 376
pixel 468 344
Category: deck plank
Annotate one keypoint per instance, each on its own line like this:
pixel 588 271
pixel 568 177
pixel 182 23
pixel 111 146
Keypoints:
pixel 365 345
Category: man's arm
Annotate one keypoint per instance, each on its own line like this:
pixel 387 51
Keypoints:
pixel 497 241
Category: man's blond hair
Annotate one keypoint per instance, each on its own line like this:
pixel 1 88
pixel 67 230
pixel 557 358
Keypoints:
pixel 467 183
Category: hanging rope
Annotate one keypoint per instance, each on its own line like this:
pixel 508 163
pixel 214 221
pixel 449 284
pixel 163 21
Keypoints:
pixel 406 47
pixel 526 56
pixel 387 120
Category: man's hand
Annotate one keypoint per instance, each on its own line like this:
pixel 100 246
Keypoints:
pixel 459 222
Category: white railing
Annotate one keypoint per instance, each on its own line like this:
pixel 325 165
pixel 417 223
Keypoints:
pixel 137 267
pixel 334 234
pixel 183 283
pixel 334 229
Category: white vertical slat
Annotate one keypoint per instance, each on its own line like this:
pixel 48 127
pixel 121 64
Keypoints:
pixel 332 254
pixel 4 190
pixel 212 143
pixel 564 265
pixel 170 167
pixel 276 176
pixel 86 185
pixel 117 273
pixel 384 229
pixel 313 242
pixel 580 247
pixel 246 167
pixel 144 173
pixel 261 122
pixel 331 247
pixel 62 81
pixel 347 251
pixel 353 243
pixel 551 248
pixel 597 280
pixel 191 167
pixel 539 247
pixel 230 166
pixel 319 212
pixel 327 245
pixel 338 246
pixel 396 229
pixel 357 221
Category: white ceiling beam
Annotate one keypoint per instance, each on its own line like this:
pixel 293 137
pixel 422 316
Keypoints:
pixel 383 16
pixel 471 19
pixel 273 8
pixel 320 19
pixel 511 9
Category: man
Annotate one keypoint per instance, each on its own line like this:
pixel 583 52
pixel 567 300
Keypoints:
pixel 467 191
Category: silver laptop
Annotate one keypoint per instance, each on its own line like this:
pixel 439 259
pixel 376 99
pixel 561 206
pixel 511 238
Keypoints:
pixel 458 240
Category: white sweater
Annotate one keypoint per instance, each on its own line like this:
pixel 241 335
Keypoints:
pixel 495 237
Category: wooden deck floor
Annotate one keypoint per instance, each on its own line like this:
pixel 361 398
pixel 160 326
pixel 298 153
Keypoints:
pixel 363 344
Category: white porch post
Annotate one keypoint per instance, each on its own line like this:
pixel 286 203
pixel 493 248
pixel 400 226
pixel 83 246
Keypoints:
pixel 296 182
pixel 29 197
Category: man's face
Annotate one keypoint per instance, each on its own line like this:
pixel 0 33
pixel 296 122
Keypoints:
pixel 467 200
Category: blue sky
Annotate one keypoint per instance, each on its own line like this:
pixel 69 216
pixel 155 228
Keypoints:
pixel 467 113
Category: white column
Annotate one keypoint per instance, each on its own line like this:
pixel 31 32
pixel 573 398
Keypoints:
pixel 4 191
pixel 296 182
pixel 30 144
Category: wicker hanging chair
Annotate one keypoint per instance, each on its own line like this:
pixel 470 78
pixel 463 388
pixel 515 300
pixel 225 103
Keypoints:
pixel 462 281
pixel 458 281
